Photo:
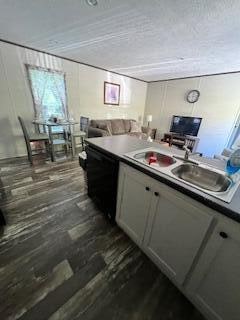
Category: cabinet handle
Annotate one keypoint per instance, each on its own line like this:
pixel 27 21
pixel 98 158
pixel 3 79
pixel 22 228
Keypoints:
pixel 223 234
pixel 156 194
pixel 147 188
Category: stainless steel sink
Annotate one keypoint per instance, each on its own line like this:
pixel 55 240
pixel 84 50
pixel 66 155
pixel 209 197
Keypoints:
pixel 202 177
pixel 162 159
pixel 197 174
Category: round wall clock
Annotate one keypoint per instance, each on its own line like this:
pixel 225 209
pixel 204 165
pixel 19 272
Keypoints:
pixel 193 96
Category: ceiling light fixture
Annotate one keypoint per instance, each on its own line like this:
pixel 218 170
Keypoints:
pixel 92 3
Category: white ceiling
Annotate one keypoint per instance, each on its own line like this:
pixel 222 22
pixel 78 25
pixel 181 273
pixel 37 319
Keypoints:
pixel 146 39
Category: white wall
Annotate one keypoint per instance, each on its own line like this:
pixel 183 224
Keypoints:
pixel 84 90
pixel 218 105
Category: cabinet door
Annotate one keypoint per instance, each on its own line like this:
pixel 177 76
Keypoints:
pixel 175 232
pixel 215 283
pixel 134 197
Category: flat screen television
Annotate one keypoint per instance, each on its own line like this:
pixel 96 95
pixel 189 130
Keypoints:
pixel 185 125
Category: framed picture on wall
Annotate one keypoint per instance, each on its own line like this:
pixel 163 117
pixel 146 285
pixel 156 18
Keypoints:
pixel 111 93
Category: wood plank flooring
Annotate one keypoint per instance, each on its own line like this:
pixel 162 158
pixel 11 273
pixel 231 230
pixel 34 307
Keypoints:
pixel 60 258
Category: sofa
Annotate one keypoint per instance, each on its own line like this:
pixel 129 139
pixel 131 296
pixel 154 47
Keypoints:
pixel 225 155
pixel 105 127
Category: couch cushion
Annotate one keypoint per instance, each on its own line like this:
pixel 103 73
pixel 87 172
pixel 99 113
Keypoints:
pixel 102 124
pixel 127 124
pixel 105 126
pixel 93 123
pixel 118 126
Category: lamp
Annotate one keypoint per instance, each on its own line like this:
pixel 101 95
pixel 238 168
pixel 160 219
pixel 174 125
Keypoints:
pixel 149 119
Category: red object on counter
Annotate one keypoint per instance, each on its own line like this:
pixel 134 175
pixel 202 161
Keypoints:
pixel 152 159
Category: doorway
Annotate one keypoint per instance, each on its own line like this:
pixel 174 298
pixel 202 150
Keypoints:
pixel 236 131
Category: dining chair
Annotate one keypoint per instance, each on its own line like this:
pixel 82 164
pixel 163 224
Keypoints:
pixel 57 142
pixel 84 124
pixel 32 137
pixel 82 133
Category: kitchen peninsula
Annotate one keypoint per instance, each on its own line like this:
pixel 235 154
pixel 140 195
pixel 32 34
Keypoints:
pixel 117 146
pixel 193 237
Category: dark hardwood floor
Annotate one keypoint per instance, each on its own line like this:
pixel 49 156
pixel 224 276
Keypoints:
pixel 60 258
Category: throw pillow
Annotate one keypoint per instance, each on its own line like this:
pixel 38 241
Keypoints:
pixel 135 127
pixel 147 130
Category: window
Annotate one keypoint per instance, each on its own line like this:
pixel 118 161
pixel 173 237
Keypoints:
pixel 49 92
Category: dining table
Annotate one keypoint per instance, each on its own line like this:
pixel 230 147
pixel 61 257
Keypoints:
pixel 47 126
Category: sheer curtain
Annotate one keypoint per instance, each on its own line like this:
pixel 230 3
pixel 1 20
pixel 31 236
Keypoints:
pixel 49 92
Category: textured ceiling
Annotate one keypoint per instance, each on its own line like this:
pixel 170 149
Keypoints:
pixel 146 39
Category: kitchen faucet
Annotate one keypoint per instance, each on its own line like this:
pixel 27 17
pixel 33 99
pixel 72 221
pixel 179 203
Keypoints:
pixel 188 152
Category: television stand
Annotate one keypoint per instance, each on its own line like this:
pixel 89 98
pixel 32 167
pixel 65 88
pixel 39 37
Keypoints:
pixel 175 139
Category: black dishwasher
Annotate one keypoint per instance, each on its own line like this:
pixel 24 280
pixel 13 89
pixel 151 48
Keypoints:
pixel 102 179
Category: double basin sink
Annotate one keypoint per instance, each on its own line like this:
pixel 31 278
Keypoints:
pixel 208 180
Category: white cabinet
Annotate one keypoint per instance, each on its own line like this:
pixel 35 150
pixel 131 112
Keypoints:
pixel 196 247
pixel 133 204
pixel 175 232
pixel 215 282
pixel 169 228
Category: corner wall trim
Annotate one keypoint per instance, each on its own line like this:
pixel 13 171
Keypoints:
pixel 199 76
pixel 68 59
